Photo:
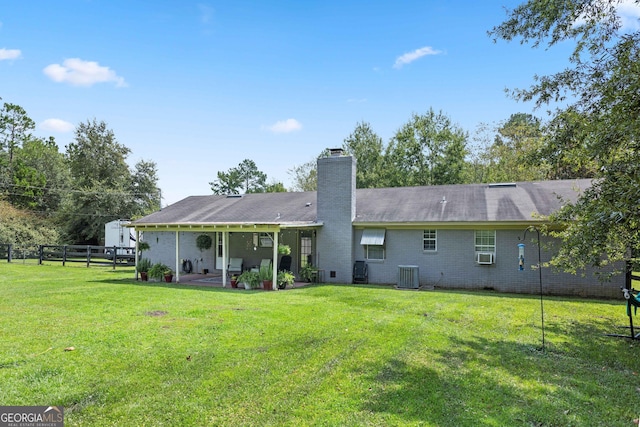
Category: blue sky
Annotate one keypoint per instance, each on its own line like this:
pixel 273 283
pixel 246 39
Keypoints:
pixel 199 86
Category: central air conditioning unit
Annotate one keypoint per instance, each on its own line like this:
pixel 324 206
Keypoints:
pixel 408 277
pixel 484 258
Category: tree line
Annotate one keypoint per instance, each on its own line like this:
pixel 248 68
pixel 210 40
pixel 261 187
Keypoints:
pixel 51 196
pixel 430 149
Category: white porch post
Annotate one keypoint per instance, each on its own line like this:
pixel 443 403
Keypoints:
pixel 225 244
pixel 275 259
pixel 177 270
pixel 136 254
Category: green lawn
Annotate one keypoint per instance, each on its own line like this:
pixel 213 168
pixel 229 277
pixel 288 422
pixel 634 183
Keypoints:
pixel 156 354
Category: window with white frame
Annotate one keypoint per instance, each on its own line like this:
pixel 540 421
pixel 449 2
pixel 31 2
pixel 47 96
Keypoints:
pixel 375 252
pixel 485 241
pixel 305 251
pixel 373 242
pixel 429 240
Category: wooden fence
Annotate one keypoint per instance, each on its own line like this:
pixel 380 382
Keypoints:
pixel 115 256
pixel 632 275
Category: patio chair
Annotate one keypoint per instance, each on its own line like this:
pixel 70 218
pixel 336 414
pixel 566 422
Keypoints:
pixel 235 266
pixel 285 263
pixel 265 263
pixel 360 272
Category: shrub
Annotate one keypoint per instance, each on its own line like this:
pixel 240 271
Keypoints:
pixel 285 278
pixel 158 270
pixel 144 264
pixel 251 278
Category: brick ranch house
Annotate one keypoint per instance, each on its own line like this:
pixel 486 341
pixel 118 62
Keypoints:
pixel 449 236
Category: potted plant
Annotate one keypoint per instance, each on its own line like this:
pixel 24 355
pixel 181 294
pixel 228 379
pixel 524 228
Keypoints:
pixel 250 279
pixel 143 246
pixel 157 271
pixel 204 242
pixel 285 278
pixel 308 273
pixel 144 264
pixel 234 281
pixel 266 276
pixel 168 275
pixel 284 249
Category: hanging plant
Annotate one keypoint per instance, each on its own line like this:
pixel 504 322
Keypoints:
pixel 284 249
pixel 203 242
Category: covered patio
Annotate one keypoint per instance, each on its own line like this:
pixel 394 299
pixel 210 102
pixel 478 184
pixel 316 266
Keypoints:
pixel 239 226
pixel 250 244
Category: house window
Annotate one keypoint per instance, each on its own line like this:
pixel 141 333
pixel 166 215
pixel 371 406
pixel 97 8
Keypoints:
pixel 485 241
pixel 429 240
pixel 373 242
pixel 266 241
pixel 375 252
pixel 305 251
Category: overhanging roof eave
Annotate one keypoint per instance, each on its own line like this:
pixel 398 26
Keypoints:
pixel 301 225
pixel 448 224
pixel 222 226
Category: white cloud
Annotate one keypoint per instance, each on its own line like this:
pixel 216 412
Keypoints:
pixel 284 126
pixel 629 12
pixel 56 125
pixel 409 57
pixel 78 72
pixel 206 13
pixel 10 54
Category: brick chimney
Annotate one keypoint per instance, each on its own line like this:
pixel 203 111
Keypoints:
pixel 336 208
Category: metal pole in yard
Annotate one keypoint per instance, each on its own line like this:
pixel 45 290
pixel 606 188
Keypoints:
pixel 539 280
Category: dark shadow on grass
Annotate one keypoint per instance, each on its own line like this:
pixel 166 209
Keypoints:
pixel 193 286
pixel 462 292
pixel 478 381
pixel 545 298
pixel 479 292
pixel 173 285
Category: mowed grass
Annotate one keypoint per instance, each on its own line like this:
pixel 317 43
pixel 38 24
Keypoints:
pixel 151 354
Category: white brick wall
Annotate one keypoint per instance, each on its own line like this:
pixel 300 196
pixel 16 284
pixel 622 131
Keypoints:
pixel 163 249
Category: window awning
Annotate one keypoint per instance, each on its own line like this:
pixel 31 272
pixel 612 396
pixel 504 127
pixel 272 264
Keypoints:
pixel 372 236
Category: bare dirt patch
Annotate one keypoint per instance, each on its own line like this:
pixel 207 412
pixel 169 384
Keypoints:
pixel 156 313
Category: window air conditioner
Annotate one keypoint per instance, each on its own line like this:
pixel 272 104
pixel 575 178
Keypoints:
pixel 484 258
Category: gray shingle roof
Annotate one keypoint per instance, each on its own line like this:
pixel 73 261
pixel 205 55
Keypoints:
pixel 471 203
pixel 465 203
pixel 259 208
